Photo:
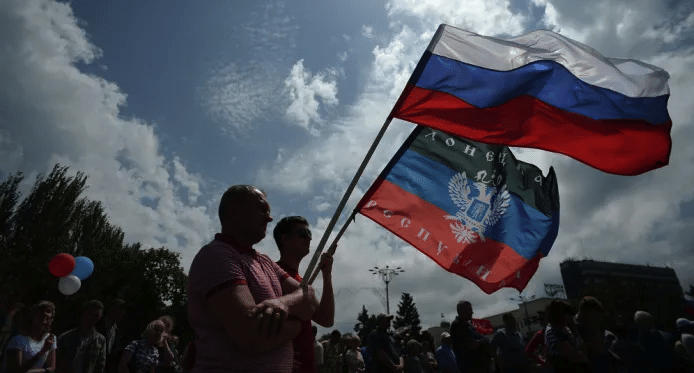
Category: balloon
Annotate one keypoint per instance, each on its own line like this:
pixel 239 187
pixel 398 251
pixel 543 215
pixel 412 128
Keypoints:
pixel 69 284
pixel 83 267
pixel 61 265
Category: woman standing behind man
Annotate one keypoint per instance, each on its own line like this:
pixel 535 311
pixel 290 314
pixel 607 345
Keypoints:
pixel 142 356
pixel 33 349
pixel 168 351
pixel 353 357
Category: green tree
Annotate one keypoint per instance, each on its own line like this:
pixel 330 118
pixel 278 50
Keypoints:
pixel 164 273
pixel 53 218
pixel 366 323
pixel 407 315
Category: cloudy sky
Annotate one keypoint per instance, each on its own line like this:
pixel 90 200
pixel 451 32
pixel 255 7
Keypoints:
pixel 164 104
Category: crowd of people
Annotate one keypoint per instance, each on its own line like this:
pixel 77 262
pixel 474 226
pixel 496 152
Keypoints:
pixel 252 314
pixel 568 342
pixel 27 344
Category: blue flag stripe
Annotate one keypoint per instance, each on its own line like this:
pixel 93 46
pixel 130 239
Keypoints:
pixel 547 81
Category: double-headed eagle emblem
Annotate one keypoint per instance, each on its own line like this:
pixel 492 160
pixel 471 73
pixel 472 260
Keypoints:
pixel 479 207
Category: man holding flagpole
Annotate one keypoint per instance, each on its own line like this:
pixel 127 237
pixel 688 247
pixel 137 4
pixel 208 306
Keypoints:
pixel 471 349
pixel 239 299
pixel 293 238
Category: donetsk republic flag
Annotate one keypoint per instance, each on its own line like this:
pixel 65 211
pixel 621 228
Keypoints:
pixel 471 207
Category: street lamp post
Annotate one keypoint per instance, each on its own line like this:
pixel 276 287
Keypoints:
pixel 386 274
pixel 525 305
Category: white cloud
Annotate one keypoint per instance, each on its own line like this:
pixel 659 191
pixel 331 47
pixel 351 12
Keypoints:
pixel 619 28
pixel 367 31
pixel 189 181
pixel 42 125
pixel 304 91
pixel 236 94
pixel 334 157
pixel 486 17
pixel 239 92
pixel 672 31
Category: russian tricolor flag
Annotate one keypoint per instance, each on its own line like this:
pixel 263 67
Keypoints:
pixel 545 91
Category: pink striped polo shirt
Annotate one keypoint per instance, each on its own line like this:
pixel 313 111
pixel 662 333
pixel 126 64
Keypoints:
pixel 217 265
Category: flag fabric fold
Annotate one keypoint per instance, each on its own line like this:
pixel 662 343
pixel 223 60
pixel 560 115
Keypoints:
pixel 473 208
pixel 482 326
pixel 545 91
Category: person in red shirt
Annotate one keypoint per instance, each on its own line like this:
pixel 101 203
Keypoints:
pixel 538 340
pixel 293 238
pixel 239 299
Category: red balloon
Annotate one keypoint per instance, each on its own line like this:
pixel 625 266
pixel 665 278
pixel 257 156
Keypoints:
pixel 61 265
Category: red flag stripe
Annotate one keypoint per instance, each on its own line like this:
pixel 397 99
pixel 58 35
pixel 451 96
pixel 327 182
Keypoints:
pixel 490 265
pixel 623 147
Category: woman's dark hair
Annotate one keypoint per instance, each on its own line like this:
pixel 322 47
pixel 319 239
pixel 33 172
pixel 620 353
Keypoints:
pixel 556 310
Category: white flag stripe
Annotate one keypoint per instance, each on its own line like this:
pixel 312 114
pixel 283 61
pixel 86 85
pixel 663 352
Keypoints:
pixel 631 78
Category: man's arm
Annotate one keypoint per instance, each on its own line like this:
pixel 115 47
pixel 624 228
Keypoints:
pixel 385 360
pixel 474 340
pixel 303 302
pixel 325 314
pixel 255 328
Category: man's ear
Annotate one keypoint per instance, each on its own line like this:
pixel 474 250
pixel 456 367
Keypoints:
pixel 232 210
pixel 283 237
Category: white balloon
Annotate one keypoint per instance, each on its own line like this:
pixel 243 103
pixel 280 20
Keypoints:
pixel 69 284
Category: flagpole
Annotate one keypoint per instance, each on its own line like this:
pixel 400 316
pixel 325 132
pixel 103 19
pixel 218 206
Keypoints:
pixel 343 202
pixel 333 247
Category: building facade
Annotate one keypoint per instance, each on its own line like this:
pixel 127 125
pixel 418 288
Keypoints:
pixel 528 319
pixel 626 288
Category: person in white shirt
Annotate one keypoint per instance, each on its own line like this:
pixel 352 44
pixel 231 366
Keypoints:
pixel 33 350
pixel 353 358
pixel 317 349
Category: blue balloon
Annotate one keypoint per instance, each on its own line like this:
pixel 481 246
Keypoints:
pixel 83 267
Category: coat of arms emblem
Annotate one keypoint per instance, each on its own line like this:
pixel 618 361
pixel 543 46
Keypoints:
pixel 479 207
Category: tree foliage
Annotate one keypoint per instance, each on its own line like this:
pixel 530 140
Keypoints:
pixel 365 324
pixel 407 315
pixel 53 218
